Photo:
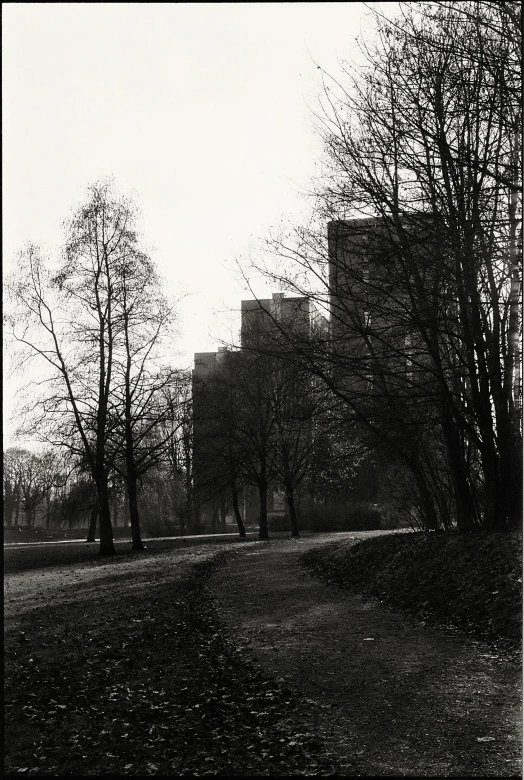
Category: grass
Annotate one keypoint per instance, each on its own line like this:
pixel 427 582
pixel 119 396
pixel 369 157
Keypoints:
pixel 472 582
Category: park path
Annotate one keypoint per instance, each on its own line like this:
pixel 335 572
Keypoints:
pixel 401 697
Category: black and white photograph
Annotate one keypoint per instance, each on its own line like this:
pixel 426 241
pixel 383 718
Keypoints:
pixel 262 389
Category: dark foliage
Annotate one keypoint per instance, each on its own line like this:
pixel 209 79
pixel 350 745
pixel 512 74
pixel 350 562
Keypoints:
pixel 341 517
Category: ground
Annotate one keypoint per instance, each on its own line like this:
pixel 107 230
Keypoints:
pixel 234 659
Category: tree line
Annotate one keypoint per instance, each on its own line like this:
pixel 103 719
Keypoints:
pixel 421 272
pixel 48 491
pixel 264 423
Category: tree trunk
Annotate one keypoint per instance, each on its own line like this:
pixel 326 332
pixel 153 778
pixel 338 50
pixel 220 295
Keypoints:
pixel 493 519
pixel 91 531
pixel 131 476
pixel 236 510
pixel 214 516
pixel 465 510
pixel 292 512
pixel 107 546
pixel 263 532
pixel 509 446
pixel 513 476
pixel 133 513
pixel 513 487
pixel 222 511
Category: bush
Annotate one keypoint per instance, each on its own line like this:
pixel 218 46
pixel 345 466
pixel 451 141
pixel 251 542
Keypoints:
pixel 158 527
pixel 279 523
pixel 340 517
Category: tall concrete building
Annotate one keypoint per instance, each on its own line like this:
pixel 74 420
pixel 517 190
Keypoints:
pixel 298 314
pixel 209 504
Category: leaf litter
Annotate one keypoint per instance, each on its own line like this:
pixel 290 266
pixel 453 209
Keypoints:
pixel 137 676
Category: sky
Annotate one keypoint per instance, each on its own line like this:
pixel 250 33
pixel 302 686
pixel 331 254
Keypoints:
pixel 200 111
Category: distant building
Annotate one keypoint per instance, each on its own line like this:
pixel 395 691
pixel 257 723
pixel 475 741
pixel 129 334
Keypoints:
pixel 209 505
pixel 298 314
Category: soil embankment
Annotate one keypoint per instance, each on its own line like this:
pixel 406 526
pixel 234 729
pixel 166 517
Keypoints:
pixel 468 581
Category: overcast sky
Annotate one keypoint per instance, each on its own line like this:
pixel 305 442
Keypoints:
pixel 201 110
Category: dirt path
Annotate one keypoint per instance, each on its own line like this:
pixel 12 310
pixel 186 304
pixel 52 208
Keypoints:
pixel 404 698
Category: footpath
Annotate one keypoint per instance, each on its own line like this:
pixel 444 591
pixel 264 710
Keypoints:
pixel 400 697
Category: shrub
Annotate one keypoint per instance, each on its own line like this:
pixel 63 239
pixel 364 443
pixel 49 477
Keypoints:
pixel 340 517
pixel 279 523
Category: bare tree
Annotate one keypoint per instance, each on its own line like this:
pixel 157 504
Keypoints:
pixel 142 318
pixel 178 433
pixel 53 474
pixel 11 486
pixel 66 320
pixel 15 463
pixel 421 187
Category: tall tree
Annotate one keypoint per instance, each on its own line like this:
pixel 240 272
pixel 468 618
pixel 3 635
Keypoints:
pixel 66 318
pixel 142 316
pixel 424 148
